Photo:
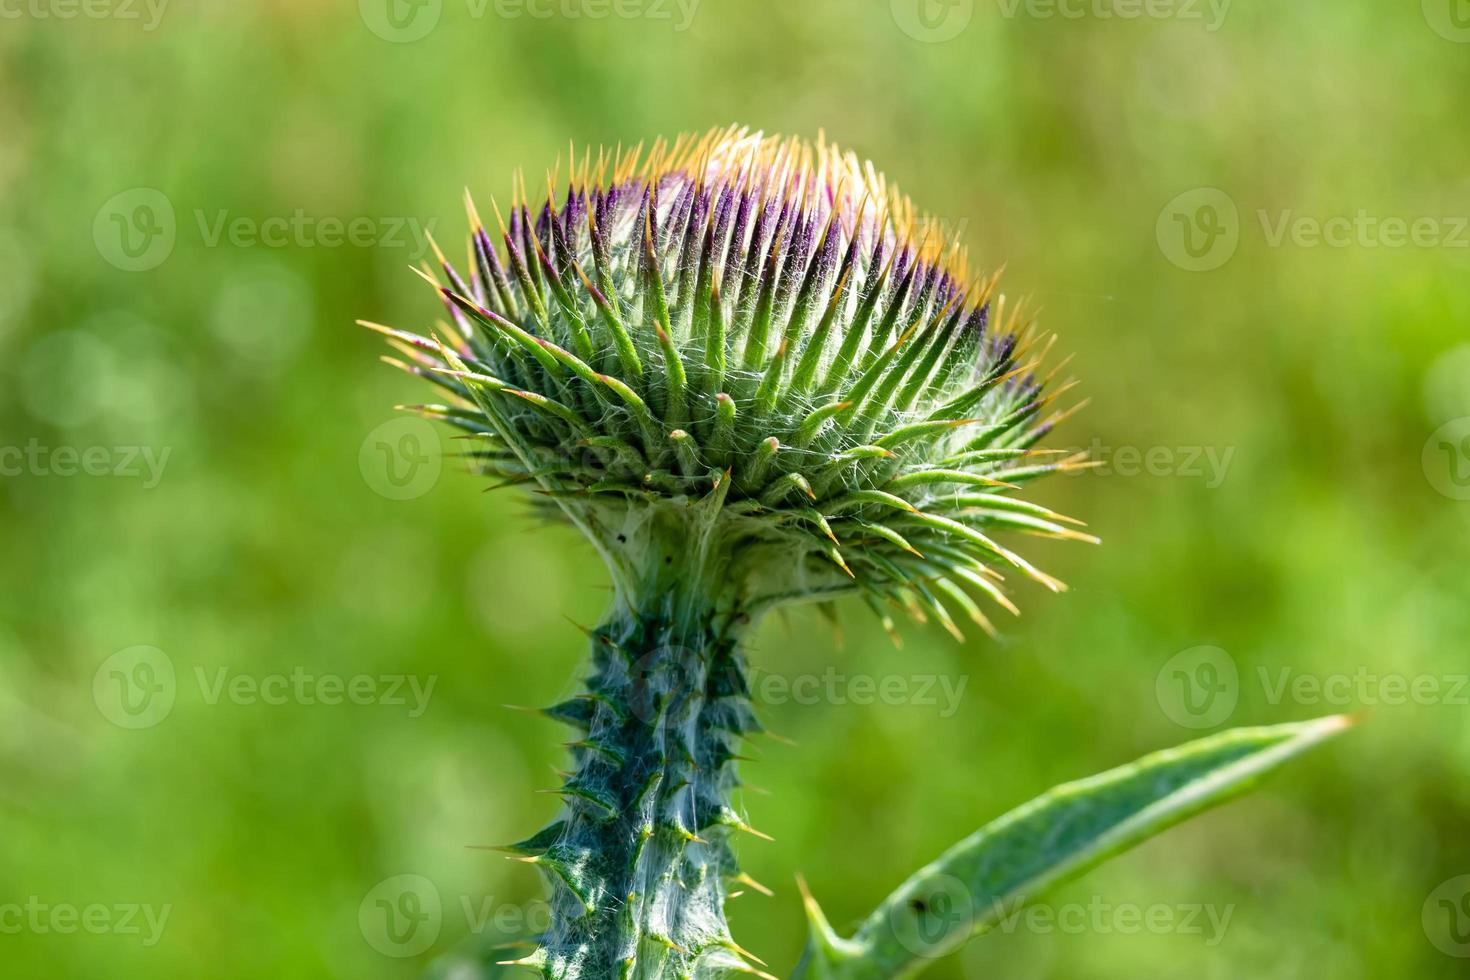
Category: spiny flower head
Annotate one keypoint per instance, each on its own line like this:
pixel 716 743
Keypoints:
pixel 762 336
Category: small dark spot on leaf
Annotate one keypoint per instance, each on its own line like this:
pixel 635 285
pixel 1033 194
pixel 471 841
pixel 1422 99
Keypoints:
pixel 622 538
pixel 919 905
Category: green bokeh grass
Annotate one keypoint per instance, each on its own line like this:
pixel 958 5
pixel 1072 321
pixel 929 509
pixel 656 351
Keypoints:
pixel 1052 144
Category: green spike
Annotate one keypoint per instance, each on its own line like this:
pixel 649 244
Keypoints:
pixel 530 289
pixel 571 319
pixel 770 387
pixel 806 369
pixel 921 430
pixel 812 424
pixel 923 373
pixel 783 486
pixel 497 324
pixel 861 498
pixel 577 712
pixel 714 342
pixel 995 501
pixel 759 465
pixel 722 438
pixel 538 843
pixel 609 752
pixel 838 371
pixel 926 478
pixel 686 451
pixel 532 961
pixel 825 945
pixel 881 399
pixel 586 794
pixel 890 535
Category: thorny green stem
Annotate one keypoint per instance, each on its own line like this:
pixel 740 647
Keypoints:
pixel 639 861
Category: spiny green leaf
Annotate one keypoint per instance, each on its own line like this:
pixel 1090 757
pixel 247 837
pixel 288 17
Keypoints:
pixel 1058 836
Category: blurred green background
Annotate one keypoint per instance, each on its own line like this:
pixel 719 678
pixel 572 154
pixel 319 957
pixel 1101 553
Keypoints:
pixel 1283 417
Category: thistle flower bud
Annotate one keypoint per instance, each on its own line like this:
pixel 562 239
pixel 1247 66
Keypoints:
pixel 751 375
pixel 755 346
